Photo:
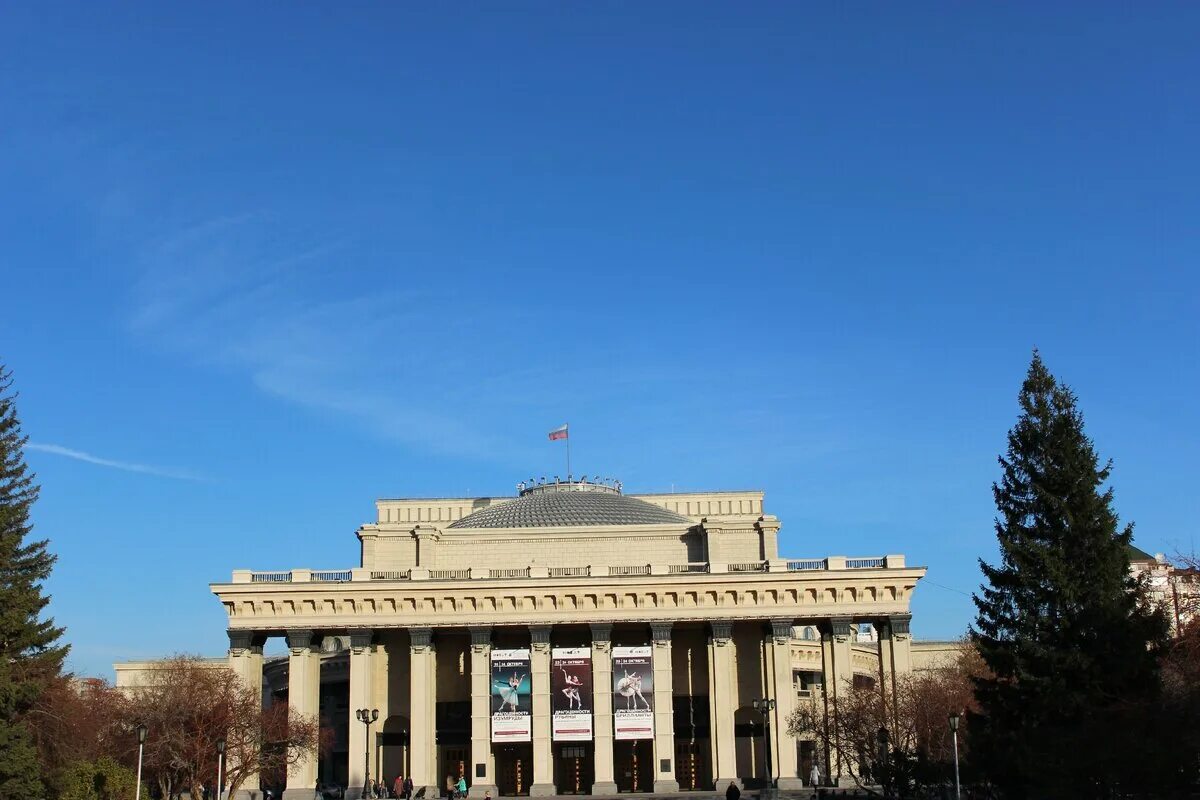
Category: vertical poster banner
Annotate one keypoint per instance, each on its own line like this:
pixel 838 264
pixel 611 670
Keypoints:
pixel 633 693
pixel 571 694
pixel 512 720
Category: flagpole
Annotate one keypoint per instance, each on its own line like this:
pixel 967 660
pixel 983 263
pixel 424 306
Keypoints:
pixel 568 453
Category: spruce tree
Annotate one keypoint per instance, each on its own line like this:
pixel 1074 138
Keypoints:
pixel 30 655
pixel 1063 626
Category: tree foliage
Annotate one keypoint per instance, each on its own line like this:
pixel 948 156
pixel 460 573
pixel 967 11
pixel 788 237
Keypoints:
pixel 30 656
pixel 80 721
pixel 101 779
pixel 1063 627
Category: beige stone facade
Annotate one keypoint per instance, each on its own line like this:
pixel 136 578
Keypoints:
pixel 694 581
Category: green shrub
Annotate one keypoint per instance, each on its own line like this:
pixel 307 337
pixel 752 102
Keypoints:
pixel 102 779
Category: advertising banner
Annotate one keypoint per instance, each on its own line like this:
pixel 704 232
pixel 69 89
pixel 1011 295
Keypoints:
pixel 633 693
pixel 511 688
pixel 571 694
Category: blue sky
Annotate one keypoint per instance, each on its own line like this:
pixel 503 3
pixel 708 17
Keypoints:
pixel 264 263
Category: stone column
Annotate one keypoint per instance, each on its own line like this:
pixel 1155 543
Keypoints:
pixel 304 697
pixel 422 701
pixel 839 675
pixel 664 710
pixel 887 677
pixel 722 698
pixel 362 696
pixel 895 658
pixel 901 643
pixel 481 714
pixel 783 691
pixel 603 716
pixel 246 661
pixel 539 666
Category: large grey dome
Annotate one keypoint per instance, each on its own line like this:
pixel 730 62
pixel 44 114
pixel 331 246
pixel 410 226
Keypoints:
pixel 568 505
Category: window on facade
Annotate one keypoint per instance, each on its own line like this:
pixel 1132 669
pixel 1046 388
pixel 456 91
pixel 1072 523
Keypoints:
pixel 864 682
pixel 806 682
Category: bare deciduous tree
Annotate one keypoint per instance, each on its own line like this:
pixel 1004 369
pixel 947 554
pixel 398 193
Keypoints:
pixel 919 748
pixel 191 705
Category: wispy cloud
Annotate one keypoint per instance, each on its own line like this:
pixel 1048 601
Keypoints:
pixel 127 466
pixel 236 293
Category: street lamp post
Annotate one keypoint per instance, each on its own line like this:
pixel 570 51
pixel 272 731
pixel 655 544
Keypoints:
pixel 954 733
pixel 367 716
pixel 884 778
pixel 765 706
pixel 220 767
pixel 141 737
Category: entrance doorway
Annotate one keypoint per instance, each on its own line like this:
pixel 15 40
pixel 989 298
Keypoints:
pixel 634 765
pixel 692 765
pixel 514 769
pixel 807 757
pixel 573 767
pixel 452 761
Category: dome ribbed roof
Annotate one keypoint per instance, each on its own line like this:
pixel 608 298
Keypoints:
pixel 567 505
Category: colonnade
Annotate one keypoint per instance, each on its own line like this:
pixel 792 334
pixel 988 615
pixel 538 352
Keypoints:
pixel 769 640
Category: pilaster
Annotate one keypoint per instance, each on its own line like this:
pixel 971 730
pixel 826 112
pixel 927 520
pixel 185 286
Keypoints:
pixel 539 668
pixel 246 660
pixel 721 698
pixel 422 709
pixel 481 715
pixel 664 710
pixel 602 698
pixel 304 690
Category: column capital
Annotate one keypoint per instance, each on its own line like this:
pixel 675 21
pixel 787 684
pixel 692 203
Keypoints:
pixel 539 637
pixel 420 639
pixel 245 641
pixel 481 638
pixel 721 631
pixel 361 639
pixel 661 632
pixel 781 629
pixel 840 627
pixel 301 639
pixel 601 632
pixel 899 624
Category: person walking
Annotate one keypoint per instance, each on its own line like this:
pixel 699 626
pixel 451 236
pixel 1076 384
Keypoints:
pixel 733 792
pixel 408 788
pixel 461 787
pixel 398 786
pixel 814 775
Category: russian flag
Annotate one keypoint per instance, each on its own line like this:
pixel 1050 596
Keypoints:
pixel 558 433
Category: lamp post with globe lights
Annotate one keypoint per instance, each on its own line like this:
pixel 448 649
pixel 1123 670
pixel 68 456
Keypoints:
pixel 954 733
pixel 765 706
pixel 366 716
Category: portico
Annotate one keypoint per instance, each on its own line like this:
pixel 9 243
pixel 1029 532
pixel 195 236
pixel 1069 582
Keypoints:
pixel 665 615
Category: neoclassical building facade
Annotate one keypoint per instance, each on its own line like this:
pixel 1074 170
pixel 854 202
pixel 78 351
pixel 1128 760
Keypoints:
pixel 574 639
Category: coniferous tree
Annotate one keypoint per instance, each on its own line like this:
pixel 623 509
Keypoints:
pixel 1062 624
pixel 30 656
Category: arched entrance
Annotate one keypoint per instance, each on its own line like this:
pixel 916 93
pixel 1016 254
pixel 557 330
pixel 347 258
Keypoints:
pixel 391 754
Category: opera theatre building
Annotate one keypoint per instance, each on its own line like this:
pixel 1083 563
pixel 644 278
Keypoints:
pixel 571 639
